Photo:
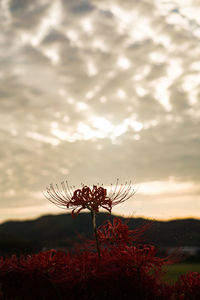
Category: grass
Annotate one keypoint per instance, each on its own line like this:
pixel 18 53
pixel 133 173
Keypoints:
pixel 174 271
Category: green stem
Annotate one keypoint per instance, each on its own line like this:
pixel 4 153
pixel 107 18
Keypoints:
pixel 93 214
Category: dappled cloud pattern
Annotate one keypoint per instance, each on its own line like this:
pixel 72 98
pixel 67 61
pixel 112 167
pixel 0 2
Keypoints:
pixel 95 90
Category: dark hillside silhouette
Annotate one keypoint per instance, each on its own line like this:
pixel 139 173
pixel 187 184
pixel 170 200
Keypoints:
pixel 54 231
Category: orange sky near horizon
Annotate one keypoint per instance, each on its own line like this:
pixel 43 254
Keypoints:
pixel 153 200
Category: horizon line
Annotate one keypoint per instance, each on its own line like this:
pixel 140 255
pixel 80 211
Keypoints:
pixel 114 214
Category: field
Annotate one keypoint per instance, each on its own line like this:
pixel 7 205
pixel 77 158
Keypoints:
pixel 174 271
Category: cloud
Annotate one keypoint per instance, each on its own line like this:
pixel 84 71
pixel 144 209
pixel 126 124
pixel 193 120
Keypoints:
pixel 97 90
pixel 27 15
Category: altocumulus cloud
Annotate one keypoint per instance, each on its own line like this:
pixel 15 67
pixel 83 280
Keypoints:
pixel 94 90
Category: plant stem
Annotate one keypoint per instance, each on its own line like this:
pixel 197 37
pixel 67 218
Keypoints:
pixel 93 214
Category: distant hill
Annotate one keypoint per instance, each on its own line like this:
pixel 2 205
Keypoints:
pixel 54 231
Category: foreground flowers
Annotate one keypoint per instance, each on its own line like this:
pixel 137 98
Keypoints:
pixel 127 270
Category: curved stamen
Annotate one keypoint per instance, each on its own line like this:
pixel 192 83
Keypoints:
pixel 93 199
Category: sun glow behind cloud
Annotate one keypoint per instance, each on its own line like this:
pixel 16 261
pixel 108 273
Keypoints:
pixel 98 128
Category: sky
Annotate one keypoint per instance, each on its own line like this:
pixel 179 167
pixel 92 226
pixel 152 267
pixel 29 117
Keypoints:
pixel 92 91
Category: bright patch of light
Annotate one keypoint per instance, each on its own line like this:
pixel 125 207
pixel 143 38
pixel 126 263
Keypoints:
pixel 193 98
pixel 197 32
pixel 136 26
pixel 87 25
pixel 195 66
pixel 91 69
pixel 162 39
pixel 100 45
pixel 191 82
pixel 121 94
pixel 102 124
pixel 123 63
pixel 174 69
pixel 67 135
pixel 161 93
pixel 140 91
pixel 100 128
pixel 157 57
pixel 62 135
pixel 141 29
pixel 125 18
pixel 191 11
pixel 175 18
pixel 81 106
pixel 72 35
pixel 163 200
pixel 160 187
pixel 119 130
pixel 35 41
pixel 142 73
pixel 123 15
pixel 137 126
pixel 25 212
pixel 54 125
pixel 54 17
pixel 87 133
pixel 52 55
pixel 29 39
pixel 42 138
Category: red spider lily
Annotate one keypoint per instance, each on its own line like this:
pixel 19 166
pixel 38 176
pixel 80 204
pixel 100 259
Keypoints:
pixel 81 275
pixel 87 198
pixel 118 233
pixel 123 271
pixel 188 286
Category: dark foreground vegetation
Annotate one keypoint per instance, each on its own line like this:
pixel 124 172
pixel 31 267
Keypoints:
pixel 126 269
pixel 62 232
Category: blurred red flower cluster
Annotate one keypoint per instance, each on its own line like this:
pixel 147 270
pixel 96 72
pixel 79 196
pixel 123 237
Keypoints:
pixel 188 286
pixel 119 234
pixel 126 270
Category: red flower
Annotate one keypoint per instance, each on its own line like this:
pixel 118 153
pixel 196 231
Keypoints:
pixel 188 286
pixel 119 233
pixel 92 199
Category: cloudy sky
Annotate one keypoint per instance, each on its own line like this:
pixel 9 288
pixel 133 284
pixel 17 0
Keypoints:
pixel 92 91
